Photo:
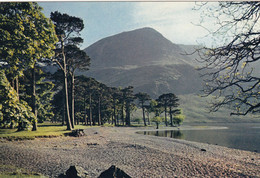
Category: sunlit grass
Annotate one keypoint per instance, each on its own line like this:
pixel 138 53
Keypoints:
pixel 18 172
pixel 20 176
pixel 44 130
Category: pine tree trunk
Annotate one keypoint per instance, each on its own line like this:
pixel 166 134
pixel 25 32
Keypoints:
pixel 34 109
pixel 127 120
pixel 148 118
pixel 115 113
pixel 122 114
pixel 144 115
pixel 64 109
pixel 90 110
pixel 69 127
pixel 72 100
pixel 85 111
pixel 99 111
pixel 165 115
pixel 171 116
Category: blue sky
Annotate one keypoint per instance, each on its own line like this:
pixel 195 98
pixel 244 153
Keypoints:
pixel 174 20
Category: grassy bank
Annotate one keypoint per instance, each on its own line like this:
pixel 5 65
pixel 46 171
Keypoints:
pixel 44 130
pixel 15 172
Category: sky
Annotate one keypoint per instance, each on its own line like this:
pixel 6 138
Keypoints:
pixel 174 20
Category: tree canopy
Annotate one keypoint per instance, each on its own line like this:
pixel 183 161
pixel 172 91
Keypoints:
pixel 25 35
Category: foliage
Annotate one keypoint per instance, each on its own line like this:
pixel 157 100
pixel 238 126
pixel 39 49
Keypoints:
pixel 231 68
pixel 25 35
pixel 128 98
pixel 178 119
pixel 44 90
pixel 143 97
pixel 157 120
pixel 13 111
pixel 68 55
pixel 156 108
pixel 168 100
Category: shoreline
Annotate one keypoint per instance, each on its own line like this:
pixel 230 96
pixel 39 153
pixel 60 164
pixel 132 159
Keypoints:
pixel 138 155
pixel 185 127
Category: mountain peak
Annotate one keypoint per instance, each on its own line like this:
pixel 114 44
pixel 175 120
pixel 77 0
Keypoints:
pixel 140 47
pixel 144 29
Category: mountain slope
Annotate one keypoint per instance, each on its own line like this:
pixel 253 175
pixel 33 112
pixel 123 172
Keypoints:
pixel 138 47
pixel 144 59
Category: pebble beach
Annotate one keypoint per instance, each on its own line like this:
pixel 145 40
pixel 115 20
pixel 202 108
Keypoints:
pixel 137 155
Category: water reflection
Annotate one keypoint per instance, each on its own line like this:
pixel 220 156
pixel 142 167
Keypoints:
pixel 167 133
pixel 244 136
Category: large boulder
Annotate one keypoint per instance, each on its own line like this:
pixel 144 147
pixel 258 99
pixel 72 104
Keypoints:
pixel 114 172
pixel 75 172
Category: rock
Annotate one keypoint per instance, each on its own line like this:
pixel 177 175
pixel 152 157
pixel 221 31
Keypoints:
pixel 203 149
pixel 114 172
pixel 77 133
pixel 75 172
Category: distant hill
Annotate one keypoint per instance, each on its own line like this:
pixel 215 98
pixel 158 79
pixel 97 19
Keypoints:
pixel 144 59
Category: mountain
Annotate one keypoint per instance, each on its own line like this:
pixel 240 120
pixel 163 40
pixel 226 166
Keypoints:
pixel 145 59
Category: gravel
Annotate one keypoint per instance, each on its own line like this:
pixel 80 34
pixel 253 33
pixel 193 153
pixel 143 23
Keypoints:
pixel 137 155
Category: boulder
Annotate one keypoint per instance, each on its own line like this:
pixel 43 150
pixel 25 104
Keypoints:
pixel 75 172
pixel 77 133
pixel 114 172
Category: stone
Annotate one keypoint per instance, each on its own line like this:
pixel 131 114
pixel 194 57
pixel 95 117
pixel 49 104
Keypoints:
pixel 114 172
pixel 203 149
pixel 77 133
pixel 75 172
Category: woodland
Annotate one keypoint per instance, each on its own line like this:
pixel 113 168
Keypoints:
pixel 30 43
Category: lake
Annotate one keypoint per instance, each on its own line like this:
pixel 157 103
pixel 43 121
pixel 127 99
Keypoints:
pixel 243 136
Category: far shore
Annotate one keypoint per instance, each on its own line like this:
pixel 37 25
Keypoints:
pixel 183 127
pixel 138 155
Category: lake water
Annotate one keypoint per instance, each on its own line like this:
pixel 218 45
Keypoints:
pixel 244 136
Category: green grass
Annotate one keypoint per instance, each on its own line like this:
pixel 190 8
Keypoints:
pixel 15 172
pixel 20 176
pixel 44 130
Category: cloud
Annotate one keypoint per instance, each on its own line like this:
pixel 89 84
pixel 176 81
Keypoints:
pixel 175 20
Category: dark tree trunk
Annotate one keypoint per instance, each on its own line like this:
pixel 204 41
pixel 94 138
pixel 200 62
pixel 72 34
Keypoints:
pixel 63 110
pixel 157 125
pixel 171 116
pixel 165 115
pixel 99 111
pixel 90 111
pixel 127 120
pixel 72 100
pixel 34 108
pixel 122 114
pixel 117 119
pixel 115 113
pixel 69 127
pixel 85 111
pixel 144 114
